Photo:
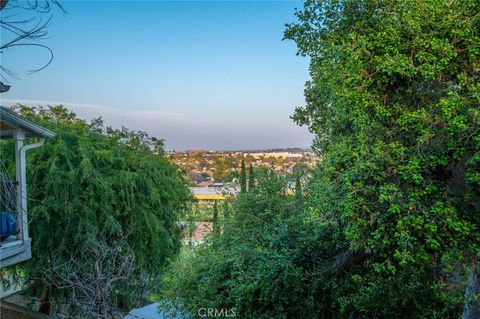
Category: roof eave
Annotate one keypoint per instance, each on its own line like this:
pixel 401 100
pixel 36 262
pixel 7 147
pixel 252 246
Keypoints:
pixel 15 119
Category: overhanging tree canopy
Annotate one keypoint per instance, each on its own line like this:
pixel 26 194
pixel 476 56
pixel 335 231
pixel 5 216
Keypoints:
pixel 93 185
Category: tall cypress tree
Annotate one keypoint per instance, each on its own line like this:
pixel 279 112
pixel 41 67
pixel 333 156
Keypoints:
pixel 243 178
pixel 298 196
pixel 251 177
pixel 226 210
pixel 215 217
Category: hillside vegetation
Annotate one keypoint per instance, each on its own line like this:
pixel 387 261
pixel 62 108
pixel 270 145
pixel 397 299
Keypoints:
pixel 390 222
pixel 103 209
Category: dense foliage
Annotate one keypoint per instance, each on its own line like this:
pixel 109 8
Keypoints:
pixel 394 103
pixel 252 264
pixel 90 187
pixel 389 222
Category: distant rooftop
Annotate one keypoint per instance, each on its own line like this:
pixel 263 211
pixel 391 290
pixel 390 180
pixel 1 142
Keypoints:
pixel 212 193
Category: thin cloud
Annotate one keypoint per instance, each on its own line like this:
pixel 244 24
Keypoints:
pixel 96 110
pixel 183 131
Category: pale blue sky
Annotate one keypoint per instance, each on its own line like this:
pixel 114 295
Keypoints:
pixel 212 75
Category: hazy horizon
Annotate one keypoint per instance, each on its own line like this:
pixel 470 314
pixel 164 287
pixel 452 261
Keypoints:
pixel 210 75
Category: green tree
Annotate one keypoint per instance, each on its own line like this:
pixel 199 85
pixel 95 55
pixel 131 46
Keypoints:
pixel 251 177
pixel 243 178
pixel 251 266
pixel 92 184
pixel 393 103
pixel 222 169
pixel 299 199
pixel 215 218
pixel 226 210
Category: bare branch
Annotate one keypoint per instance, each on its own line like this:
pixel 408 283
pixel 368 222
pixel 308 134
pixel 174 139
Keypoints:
pixel 25 31
pixel 3 3
pixel 93 287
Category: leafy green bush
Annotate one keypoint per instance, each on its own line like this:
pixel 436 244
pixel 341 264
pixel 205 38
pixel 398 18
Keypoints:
pixel 262 264
pixel 394 104
pixel 273 261
pixel 90 187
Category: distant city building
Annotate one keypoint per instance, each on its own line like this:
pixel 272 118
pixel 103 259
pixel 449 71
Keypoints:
pixel 195 151
pixel 205 184
pixel 215 193
pixel 278 154
pixel 206 168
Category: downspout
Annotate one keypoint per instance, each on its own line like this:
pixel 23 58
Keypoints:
pixel 23 185
pixel 28 147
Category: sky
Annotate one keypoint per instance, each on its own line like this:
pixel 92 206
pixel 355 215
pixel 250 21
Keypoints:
pixel 214 75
